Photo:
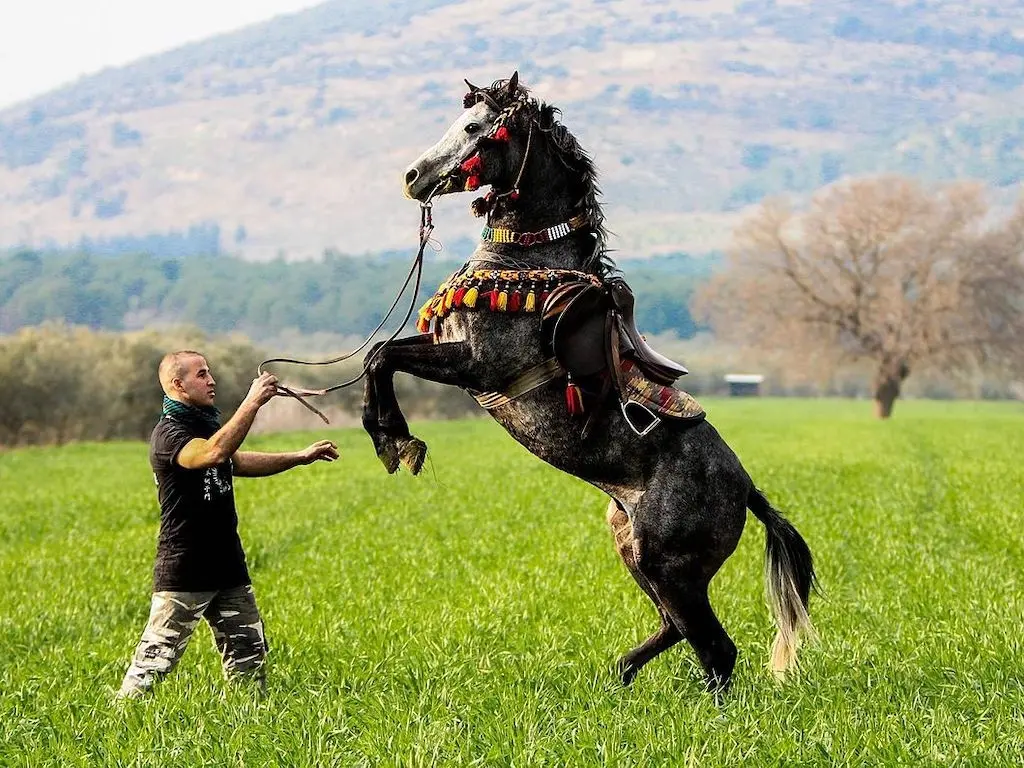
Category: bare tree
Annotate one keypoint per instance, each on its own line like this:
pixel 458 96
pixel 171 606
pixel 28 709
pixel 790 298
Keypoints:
pixel 877 270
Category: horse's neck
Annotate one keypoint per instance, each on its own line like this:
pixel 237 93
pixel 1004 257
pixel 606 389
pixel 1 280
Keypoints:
pixel 561 254
pixel 541 204
pixel 545 195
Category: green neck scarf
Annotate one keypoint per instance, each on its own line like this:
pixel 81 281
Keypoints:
pixel 205 416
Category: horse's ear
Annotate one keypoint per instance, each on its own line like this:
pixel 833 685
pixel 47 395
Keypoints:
pixel 470 99
pixel 513 83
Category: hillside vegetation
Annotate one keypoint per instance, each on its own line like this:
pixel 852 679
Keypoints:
pixel 219 294
pixel 290 136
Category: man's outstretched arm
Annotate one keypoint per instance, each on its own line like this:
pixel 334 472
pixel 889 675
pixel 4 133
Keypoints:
pixel 201 453
pixel 254 464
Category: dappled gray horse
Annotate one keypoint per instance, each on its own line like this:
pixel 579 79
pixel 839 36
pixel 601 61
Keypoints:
pixel 537 327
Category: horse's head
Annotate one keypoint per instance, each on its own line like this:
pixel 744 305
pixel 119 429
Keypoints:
pixel 482 147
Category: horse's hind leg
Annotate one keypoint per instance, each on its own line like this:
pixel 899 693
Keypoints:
pixel 667 635
pixel 679 550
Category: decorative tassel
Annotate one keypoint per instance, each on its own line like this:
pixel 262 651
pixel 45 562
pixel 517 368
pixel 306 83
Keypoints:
pixel 531 302
pixel 502 301
pixel 513 195
pixel 501 134
pixel 480 207
pixel 493 295
pixel 473 165
pixel 471 297
pixel 472 183
pixel 449 298
pixel 460 294
pixel 544 297
pixel 573 398
pixel 423 324
pixel 515 301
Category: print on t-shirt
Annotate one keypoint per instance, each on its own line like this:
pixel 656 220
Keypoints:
pixel 211 480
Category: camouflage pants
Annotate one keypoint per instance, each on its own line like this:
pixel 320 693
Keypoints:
pixel 237 632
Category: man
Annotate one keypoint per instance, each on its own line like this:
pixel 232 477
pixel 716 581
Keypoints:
pixel 200 569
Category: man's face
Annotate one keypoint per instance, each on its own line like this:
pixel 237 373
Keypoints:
pixel 197 385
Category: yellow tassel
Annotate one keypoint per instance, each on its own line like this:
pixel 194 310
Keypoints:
pixel 502 301
pixel 449 298
pixel 471 297
pixel 531 302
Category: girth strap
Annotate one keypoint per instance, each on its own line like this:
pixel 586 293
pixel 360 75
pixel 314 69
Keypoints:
pixel 528 381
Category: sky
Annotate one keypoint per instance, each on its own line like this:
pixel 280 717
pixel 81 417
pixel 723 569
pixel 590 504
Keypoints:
pixel 47 43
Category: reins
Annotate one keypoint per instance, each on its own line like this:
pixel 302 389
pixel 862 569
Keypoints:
pixel 299 393
pixel 426 228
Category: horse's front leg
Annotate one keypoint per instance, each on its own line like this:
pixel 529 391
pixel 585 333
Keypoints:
pixel 447 363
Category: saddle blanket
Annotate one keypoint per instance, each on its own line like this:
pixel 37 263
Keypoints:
pixel 668 402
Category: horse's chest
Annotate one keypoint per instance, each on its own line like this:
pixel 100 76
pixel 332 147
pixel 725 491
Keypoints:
pixel 455 327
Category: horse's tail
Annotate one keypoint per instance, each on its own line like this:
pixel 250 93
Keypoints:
pixel 789 578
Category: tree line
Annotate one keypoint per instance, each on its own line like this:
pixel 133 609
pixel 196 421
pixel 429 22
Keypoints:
pixel 223 294
pixel 60 383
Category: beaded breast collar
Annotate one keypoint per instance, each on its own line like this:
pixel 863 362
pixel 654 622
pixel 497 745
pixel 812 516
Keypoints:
pixel 499 290
pixel 497 235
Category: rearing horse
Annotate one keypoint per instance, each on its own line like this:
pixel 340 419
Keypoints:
pixel 679 494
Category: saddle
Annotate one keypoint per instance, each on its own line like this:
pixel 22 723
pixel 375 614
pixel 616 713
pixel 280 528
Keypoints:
pixel 595 335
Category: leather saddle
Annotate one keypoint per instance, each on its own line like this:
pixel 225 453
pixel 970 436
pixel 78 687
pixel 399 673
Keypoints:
pixel 590 318
pixel 595 333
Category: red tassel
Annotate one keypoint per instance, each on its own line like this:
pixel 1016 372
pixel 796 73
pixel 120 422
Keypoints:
pixel 544 297
pixel 573 399
pixel 513 195
pixel 494 299
pixel 423 325
pixel 515 301
pixel 472 183
pixel 501 134
pixel 473 165
pixel 460 294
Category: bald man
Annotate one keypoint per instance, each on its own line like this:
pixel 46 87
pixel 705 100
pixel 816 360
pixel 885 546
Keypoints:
pixel 200 570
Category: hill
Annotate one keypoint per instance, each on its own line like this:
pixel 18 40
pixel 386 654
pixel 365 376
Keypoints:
pixel 290 136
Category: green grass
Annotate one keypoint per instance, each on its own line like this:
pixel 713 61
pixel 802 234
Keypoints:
pixel 471 616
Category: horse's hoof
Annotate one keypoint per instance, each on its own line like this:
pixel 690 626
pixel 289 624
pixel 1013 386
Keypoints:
pixel 412 453
pixel 627 671
pixel 388 455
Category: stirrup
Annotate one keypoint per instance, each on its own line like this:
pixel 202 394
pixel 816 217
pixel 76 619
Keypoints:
pixel 655 420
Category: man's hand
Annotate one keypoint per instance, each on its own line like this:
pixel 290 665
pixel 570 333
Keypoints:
pixel 323 450
pixel 262 390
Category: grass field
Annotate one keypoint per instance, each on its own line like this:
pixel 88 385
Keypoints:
pixel 472 616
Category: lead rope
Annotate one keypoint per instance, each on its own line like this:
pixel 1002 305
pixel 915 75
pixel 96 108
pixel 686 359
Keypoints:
pixel 300 393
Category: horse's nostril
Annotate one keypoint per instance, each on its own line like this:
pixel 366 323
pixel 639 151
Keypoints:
pixel 411 176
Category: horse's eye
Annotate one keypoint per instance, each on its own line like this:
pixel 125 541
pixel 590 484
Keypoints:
pixel 472 127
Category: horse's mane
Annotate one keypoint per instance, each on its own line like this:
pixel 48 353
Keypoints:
pixel 521 106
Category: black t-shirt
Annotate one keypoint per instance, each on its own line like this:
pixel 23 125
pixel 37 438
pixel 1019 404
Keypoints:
pixel 198 549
